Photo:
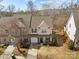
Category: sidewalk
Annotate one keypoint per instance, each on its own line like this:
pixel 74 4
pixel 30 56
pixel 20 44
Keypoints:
pixel 8 52
pixel 32 53
pixel 20 57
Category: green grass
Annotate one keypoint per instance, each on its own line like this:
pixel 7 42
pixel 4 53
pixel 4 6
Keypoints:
pixel 77 57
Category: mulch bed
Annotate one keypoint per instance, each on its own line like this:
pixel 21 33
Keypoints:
pixel 23 53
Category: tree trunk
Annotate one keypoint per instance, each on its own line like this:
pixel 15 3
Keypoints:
pixel 30 21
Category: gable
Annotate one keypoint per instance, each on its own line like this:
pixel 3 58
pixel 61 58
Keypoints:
pixel 71 27
pixel 43 24
pixel 37 20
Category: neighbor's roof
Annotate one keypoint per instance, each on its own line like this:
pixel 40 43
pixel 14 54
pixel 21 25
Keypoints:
pixel 76 19
pixel 75 15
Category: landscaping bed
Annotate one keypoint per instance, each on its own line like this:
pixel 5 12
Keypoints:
pixel 18 53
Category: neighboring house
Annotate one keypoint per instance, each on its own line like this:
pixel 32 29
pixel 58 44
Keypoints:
pixel 3 36
pixel 72 28
pixel 11 29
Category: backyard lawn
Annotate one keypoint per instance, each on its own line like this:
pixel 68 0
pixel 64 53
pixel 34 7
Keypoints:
pixel 77 56
pixel 47 52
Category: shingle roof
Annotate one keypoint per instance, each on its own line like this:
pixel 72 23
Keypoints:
pixel 6 22
pixel 36 21
pixel 75 15
pixel 76 19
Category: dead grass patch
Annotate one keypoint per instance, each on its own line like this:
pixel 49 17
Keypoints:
pixel 46 52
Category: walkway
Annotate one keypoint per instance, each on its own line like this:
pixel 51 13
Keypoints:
pixel 20 57
pixel 32 53
pixel 8 52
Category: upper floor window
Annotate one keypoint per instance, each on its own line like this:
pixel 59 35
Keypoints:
pixel 48 27
pixel 70 25
pixel 34 30
pixel 39 27
pixel 43 31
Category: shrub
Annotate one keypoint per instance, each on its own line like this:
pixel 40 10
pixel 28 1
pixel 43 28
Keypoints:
pixel 71 44
pixel 54 42
pixel 50 43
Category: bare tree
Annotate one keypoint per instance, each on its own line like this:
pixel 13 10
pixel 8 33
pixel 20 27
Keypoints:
pixel 47 8
pixel 30 6
pixel 11 8
pixel 1 6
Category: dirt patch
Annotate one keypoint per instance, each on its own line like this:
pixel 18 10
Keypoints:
pixel 47 52
pixel 24 52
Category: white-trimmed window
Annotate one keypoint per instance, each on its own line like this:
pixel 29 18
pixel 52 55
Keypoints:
pixel 69 25
pixel 34 30
pixel 44 31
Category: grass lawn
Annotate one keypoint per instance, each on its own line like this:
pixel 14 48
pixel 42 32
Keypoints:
pixel 2 49
pixel 77 56
pixel 17 53
pixel 48 52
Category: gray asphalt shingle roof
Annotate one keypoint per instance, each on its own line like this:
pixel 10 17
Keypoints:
pixel 21 20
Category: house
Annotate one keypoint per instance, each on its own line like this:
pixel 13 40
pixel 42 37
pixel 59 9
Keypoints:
pixel 72 28
pixel 17 27
pixel 11 29
pixel 41 29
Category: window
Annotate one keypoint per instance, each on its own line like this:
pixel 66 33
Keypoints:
pixel 48 27
pixel 39 27
pixel 34 30
pixel 66 29
pixel 43 31
pixel 70 25
pixel 47 39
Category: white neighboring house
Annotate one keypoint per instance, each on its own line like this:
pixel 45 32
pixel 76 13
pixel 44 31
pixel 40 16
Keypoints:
pixel 72 28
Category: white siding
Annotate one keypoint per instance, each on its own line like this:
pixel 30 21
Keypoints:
pixel 71 28
pixel 44 26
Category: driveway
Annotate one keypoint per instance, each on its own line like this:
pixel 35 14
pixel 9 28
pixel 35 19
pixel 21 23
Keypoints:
pixel 8 52
pixel 20 57
pixel 32 52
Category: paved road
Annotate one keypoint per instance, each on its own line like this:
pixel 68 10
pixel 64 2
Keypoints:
pixel 8 52
pixel 32 52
